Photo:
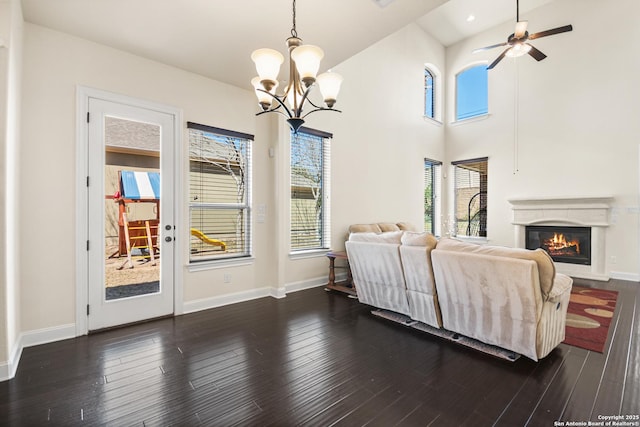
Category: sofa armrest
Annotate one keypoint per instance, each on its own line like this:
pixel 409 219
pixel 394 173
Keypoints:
pixel 561 286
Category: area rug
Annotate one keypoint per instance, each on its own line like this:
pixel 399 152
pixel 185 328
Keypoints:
pixel 448 335
pixel 127 291
pixel 589 316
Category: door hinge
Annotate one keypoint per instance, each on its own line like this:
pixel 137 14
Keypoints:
pixel 87 117
pixel 87 245
pixel 87 181
pixel 87 309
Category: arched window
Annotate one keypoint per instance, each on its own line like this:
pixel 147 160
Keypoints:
pixel 472 92
pixel 429 94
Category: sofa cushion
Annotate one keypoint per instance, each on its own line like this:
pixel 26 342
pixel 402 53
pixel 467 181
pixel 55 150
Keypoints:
pixel 388 237
pixel 546 268
pixel 380 227
pixel 388 226
pixel 414 238
pixel 364 228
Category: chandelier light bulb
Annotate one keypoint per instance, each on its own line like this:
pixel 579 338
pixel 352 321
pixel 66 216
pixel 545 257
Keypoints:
pixel 307 58
pixel 264 99
pixel 329 84
pixel 268 63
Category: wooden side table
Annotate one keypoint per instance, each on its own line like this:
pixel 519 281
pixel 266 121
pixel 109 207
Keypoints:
pixel 346 286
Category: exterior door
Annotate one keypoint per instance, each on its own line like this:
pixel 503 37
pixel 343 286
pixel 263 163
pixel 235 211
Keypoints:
pixel 130 213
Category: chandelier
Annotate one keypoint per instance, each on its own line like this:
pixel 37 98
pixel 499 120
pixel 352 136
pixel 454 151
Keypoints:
pixel 304 62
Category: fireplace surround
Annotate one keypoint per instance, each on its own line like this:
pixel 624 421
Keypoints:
pixel 584 212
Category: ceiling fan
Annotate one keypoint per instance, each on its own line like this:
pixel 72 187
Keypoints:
pixel 517 42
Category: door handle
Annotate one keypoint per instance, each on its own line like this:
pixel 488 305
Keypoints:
pixel 168 239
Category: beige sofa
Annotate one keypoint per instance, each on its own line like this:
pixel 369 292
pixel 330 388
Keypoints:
pixel 507 297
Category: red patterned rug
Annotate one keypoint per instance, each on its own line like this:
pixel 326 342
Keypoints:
pixel 589 316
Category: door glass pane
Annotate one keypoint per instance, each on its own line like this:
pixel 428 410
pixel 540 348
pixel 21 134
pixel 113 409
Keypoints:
pixel 132 208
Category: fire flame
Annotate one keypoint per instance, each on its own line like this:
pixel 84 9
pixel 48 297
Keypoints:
pixel 559 242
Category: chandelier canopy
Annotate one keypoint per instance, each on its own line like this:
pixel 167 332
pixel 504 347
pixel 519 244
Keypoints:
pixel 304 63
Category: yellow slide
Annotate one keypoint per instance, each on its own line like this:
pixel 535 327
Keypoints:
pixel 200 235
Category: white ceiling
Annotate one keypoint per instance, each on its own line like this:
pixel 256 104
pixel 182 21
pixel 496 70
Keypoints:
pixel 215 38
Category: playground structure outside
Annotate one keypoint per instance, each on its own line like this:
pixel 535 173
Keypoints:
pixel 143 272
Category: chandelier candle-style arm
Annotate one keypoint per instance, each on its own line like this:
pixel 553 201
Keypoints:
pixel 304 63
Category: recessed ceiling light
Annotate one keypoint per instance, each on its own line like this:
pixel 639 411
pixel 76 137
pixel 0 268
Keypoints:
pixel 471 18
pixel 383 3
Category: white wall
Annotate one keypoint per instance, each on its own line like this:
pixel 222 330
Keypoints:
pixel 54 64
pixel 381 139
pixel 577 125
pixel 10 85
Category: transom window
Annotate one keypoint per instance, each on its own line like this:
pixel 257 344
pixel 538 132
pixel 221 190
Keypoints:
pixel 310 170
pixel 472 92
pixel 471 181
pixel 429 94
pixel 219 193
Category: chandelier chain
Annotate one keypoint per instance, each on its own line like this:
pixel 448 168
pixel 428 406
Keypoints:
pixel 294 33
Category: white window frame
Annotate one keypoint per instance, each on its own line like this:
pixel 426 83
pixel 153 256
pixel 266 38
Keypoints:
pixel 438 91
pixel 435 179
pixel 457 92
pixel 244 205
pixel 325 220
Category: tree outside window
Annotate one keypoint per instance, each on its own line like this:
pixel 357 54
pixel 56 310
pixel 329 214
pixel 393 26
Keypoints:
pixel 309 190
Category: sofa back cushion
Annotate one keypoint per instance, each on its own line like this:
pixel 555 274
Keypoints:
pixel 388 237
pixel 380 227
pixel 546 268
pixel 415 238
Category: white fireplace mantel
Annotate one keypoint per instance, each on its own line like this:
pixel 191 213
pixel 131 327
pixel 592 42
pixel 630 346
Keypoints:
pixel 577 211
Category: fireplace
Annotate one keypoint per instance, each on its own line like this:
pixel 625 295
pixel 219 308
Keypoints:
pixel 588 212
pixel 566 244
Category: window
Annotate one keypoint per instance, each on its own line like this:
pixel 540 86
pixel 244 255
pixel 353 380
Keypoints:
pixel 429 94
pixel 219 193
pixel 310 163
pixel 472 92
pixel 471 197
pixel 432 196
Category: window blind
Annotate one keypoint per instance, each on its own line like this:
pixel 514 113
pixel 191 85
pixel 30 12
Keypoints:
pixel 219 193
pixel 309 201
pixel 432 187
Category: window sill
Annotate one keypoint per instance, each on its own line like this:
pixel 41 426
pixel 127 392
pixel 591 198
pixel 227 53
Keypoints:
pixel 471 120
pixel 219 263
pixel 435 122
pixel 311 253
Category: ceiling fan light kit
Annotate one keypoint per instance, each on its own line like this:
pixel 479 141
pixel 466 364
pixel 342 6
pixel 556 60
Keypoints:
pixel 304 63
pixel 517 43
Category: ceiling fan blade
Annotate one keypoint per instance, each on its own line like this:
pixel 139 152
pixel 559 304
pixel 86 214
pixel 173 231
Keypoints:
pixel 521 29
pixel 498 59
pixel 551 32
pixel 480 49
pixel 536 54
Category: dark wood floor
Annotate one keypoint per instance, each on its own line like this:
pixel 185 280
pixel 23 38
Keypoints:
pixel 315 358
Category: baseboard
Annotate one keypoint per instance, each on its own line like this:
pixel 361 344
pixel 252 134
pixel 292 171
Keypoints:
pixel 213 302
pixel 280 292
pixel 31 338
pixel 621 275
pixel 59 333
pixel 47 335
pixel 308 284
